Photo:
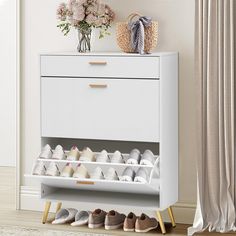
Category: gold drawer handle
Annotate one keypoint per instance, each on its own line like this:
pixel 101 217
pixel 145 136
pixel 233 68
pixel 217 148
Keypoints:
pixel 98 85
pixel 85 182
pixel 98 63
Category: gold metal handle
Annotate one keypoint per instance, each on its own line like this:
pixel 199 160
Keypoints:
pixel 98 85
pixel 98 63
pixel 85 182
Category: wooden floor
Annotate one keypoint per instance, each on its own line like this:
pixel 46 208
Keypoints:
pixel 10 217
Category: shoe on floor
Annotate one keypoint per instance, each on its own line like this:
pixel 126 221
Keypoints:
pixel 81 218
pixel 97 174
pixel 96 219
pixel 67 171
pixel 58 153
pixel 128 175
pixel 81 172
pixel 52 170
pixel 114 220
pixel 73 154
pixel 39 168
pixel 134 157
pixel 46 152
pixel 117 157
pixel 144 224
pixel 148 158
pixel 141 176
pixel 111 174
pixel 129 224
pixel 102 157
pixel 64 216
pixel 87 155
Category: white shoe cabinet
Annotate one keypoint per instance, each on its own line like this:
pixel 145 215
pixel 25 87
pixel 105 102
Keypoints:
pixel 113 97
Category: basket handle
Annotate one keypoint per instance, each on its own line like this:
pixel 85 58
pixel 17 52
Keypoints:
pixel 132 15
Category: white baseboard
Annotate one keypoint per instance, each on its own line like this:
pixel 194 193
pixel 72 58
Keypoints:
pixel 30 200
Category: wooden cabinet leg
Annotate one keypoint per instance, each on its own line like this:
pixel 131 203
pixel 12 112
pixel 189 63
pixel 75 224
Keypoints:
pixel 46 211
pixel 170 212
pixel 59 204
pixel 162 225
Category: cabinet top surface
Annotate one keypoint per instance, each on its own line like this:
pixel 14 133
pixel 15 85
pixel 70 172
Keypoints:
pixel 115 54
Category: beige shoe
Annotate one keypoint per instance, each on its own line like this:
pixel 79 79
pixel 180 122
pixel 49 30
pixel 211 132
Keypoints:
pixel 81 172
pixel 67 171
pixel 73 154
pixel 145 224
pixel 96 219
pixel 114 220
pixel 87 155
pixel 129 224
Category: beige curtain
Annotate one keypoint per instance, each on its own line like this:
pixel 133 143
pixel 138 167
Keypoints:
pixel 215 76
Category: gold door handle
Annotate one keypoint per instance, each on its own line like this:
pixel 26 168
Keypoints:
pixel 85 182
pixel 98 85
pixel 98 63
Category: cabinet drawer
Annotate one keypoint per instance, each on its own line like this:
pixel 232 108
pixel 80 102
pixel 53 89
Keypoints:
pixel 103 109
pixel 100 67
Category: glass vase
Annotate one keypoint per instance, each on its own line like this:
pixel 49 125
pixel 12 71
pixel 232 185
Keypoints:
pixel 84 37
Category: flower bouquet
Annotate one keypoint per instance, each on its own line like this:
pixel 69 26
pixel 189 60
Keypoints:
pixel 84 15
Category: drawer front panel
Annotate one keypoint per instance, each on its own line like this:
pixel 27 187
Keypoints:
pixel 103 109
pixel 100 67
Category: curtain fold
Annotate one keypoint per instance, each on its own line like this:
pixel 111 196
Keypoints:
pixel 215 30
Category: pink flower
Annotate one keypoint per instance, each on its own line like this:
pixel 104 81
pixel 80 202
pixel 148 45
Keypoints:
pixel 101 9
pixel 78 13
pixel 71 3
pixel 81 2
pixel 92 9
pixel 91 19
pixel 62 12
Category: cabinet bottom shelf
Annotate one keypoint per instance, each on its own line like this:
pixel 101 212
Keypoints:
pixel 101 199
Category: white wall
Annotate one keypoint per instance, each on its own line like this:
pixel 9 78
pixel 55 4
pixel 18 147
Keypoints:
pixel 176 32
pixel 8 82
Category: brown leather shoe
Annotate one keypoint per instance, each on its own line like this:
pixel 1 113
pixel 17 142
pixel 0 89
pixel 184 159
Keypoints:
pixel 96 219
pixel 114 220
pixel 129 224
pixel 144 224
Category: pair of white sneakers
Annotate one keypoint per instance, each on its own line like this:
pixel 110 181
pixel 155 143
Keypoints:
pixel 111 174
pixel 116 157
pixel 47 153
pixel 135 158
pixel 40 169
pixel 129 175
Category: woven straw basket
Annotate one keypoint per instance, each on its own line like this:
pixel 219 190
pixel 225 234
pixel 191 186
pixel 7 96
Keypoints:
pixel 123 35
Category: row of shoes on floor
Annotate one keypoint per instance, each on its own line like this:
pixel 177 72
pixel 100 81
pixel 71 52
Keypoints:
pixel 81 172
pixel 135 157
pixel 111 220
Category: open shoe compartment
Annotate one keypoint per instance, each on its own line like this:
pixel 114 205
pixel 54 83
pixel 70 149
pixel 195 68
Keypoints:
pixel 101 199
